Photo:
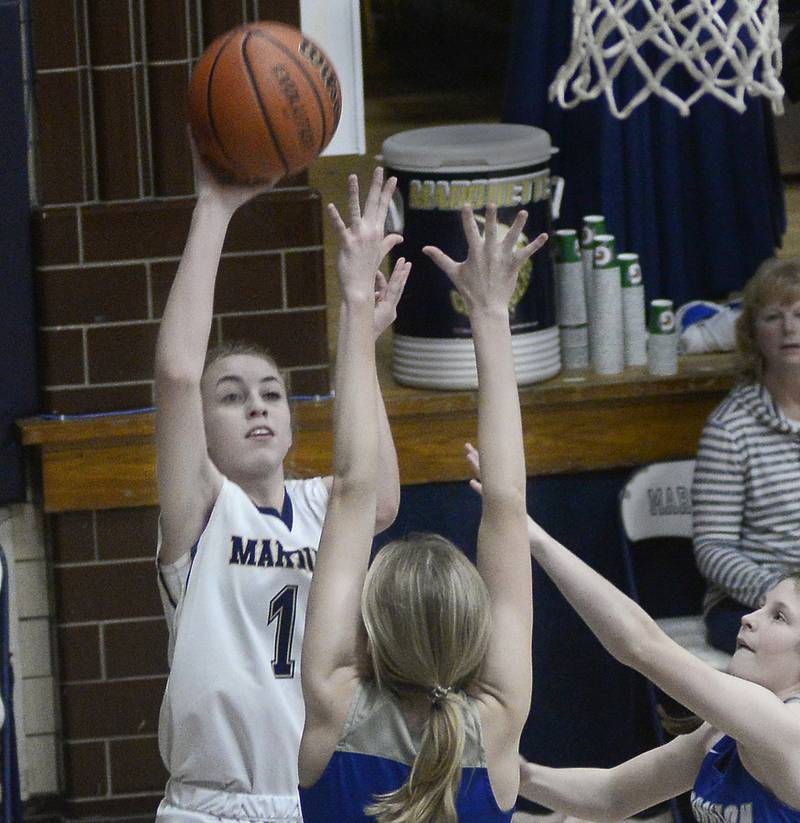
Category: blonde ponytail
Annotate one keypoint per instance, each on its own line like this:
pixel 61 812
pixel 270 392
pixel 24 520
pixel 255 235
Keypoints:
pixel 430 792
pixel 426 612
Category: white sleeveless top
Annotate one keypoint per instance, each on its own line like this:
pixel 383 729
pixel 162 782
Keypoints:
pixel 233 711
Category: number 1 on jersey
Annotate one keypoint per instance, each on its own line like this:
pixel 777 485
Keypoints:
pixel 282 609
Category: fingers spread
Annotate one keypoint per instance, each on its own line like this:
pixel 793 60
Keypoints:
pixel 490 228
pixel 533 247
pixel 389 242
pixel 374 193
pixel 470 226
pixel 338 224
pixel 445 263
pixel 353 204
pixel 386 198
pixel 397 281
pixel 511 238
pixel 380 287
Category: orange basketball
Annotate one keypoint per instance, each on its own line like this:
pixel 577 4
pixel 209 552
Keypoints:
pixel 264 101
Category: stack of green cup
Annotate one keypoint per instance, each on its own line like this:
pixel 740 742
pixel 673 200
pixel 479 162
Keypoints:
pixel 571 301
pixel 633 310
pixel 606 345
pixel 662 340
pixel 593 224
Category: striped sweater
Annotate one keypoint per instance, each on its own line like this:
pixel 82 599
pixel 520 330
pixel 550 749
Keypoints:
pixel 746 497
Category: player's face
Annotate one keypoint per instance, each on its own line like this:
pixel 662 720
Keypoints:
pixel 246 414
pixel 768 643
pixel 777 332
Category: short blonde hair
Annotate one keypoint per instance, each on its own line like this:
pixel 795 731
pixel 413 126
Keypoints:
pixel 427 615
pixel 774 280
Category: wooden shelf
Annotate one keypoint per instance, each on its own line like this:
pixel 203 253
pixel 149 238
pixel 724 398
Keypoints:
pixel 574 422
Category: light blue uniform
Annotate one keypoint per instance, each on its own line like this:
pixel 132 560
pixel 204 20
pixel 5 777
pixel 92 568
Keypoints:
pixel 375 756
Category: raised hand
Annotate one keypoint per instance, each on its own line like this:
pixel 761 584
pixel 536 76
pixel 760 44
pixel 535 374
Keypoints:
pixel 363 244
pixel 228 194
pixel 388 294
pixel 487 278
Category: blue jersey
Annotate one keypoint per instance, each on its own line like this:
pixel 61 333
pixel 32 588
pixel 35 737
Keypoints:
pixel 375 756
pixel 726 791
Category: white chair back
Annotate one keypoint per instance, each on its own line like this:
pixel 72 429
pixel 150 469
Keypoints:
pixel 657 502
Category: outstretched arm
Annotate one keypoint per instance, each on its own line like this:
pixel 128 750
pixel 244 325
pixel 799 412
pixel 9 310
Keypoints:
pixel 623 791
pixel 486 281
pixel 753 715
pixel 333 643
pixel 188 482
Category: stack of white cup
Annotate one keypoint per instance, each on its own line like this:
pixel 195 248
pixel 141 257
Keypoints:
pixel 662 341
pixel 605 321
pixel 633 310
pixel 571 301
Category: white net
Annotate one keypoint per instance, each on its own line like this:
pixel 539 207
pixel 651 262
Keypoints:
pixel 726 48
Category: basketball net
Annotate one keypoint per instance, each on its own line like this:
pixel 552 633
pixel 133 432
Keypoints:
pixel 727 47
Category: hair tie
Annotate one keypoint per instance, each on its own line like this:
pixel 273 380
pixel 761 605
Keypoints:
pixel 438 694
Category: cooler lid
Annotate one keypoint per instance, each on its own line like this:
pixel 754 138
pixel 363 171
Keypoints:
pixel 469 146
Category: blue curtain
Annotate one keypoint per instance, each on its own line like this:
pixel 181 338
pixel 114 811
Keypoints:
pixel 698 197
pixel 18 384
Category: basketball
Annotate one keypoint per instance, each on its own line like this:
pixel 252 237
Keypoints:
pixel 264 101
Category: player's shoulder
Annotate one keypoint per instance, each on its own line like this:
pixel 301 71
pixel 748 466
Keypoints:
pixel 310 491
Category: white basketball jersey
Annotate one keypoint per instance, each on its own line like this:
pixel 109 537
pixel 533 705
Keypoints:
pixel 233 711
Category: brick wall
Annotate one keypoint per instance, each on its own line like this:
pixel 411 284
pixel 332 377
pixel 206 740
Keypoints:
pixel 114 188
pixel 112 667
pixel 114 196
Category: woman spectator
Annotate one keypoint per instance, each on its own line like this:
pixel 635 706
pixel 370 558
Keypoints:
pixel 746 490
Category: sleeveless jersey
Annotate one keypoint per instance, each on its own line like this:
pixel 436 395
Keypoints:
pixel 375 756
pixel 726 791
pixel 233 713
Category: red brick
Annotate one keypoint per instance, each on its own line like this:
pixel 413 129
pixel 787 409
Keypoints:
pixel 166 29
pixel 109 32
pixel 172 161
pixel 112 709
pixel 305 278
pixel 59 124
pixel 91 295
pixel 55 236
pixel 85 769
pixel 53 29
pixel 123 534
pixel 294 338
pixel 97 399
pixel 115 134
pixel 61 357
pixel 136 649
pixel 136 766
pixel 106 591
pixel 79 653
pixel 72 537
pixel 121 353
